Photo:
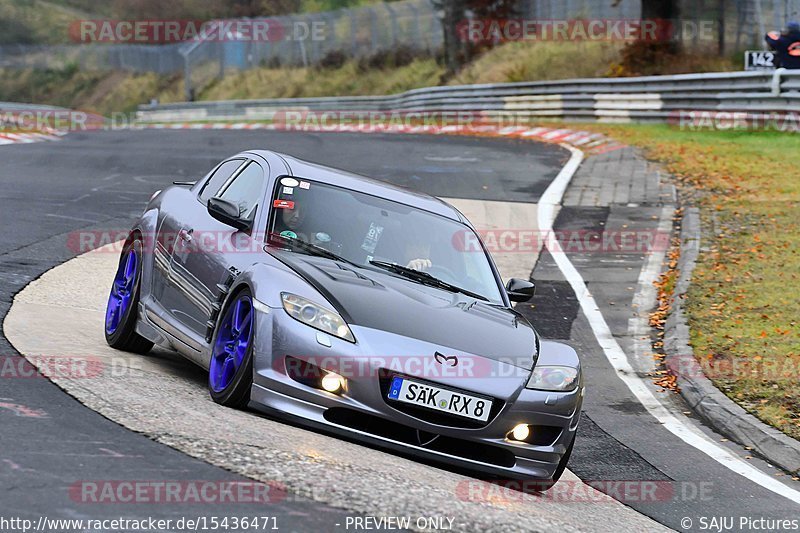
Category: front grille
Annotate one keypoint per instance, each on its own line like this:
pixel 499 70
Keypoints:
pixel 429 415
pixel 475 451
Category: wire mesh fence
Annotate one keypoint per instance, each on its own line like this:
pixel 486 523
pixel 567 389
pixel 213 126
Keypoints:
pixel 309 39
pixel 162 59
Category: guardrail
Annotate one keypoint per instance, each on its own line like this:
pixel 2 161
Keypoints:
pixel 651 98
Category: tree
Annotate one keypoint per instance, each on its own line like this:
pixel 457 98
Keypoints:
pixel 452 13
pixel 660 9
pixel 455 13
pixel 663 11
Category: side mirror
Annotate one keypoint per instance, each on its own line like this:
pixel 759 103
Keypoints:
pixel 520 290
pixel 227 213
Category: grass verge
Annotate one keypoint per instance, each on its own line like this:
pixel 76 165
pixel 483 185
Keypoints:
pixel 350 79
pixel 743 306
pixel 99 92
pixel 36 21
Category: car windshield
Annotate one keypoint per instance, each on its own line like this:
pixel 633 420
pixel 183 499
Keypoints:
pixel 370 232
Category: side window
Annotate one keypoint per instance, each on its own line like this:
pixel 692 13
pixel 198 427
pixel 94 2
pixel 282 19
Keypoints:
pixel 218 179
pixel 245 190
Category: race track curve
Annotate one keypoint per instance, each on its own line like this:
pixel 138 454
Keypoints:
pixel 99 181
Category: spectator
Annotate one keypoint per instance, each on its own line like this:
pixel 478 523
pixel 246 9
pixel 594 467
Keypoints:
pixel 786 45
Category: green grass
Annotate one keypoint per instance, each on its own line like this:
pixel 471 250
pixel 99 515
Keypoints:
pixel 527 61
pixel 743 304
pixel 98 92
pixel 36 21
pixel 511 62
pixel 348 79
pixel 310 6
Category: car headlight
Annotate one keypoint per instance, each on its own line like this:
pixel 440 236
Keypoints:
pixel 316 316
pixel 554 378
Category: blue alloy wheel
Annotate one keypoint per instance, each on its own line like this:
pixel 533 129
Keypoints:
pixel 122 291
pixel 123 302
pixel 232 343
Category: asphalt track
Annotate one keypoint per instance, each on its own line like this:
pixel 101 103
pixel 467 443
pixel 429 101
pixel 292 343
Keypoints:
pixel 101 180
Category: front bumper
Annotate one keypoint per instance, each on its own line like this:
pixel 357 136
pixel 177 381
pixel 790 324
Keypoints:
pixel 361 411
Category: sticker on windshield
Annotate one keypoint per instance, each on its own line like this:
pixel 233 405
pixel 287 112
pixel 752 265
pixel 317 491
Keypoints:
pixel 305 185
pixel 289 234
pixel 372 238
pixel 289 182
pixel 283 204
pixel 288 190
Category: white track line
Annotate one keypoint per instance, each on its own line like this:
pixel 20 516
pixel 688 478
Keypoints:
pixel 617 357
pixel 639 325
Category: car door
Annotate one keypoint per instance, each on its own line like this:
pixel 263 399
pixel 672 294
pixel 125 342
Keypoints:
pixel 168 288
pixel 209 253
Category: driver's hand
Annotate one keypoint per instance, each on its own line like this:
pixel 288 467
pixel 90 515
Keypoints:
pixel 419 264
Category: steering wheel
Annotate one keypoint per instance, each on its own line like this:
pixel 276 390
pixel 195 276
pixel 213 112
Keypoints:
pixel 448 274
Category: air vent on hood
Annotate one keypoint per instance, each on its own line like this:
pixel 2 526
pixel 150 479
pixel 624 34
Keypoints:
pixel 502 316
pixel 343 274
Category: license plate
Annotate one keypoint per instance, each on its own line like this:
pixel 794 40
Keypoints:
pixel 456 403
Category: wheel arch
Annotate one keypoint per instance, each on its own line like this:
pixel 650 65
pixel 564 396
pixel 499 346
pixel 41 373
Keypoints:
pixel 146 228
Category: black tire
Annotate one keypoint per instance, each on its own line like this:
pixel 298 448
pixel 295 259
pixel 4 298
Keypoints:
pixel 562 465
pixel 125 337
pixel 237 394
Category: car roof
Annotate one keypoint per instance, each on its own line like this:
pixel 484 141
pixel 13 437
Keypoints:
pixel 349 180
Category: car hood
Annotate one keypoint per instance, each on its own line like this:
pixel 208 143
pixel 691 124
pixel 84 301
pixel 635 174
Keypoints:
pixel 382 301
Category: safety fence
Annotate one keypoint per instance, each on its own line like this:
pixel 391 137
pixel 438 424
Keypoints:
pixel 650 99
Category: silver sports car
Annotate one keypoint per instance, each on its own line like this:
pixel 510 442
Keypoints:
pixel 352 306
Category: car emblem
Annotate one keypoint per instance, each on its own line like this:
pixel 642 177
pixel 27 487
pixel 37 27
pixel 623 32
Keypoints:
pixel 449 360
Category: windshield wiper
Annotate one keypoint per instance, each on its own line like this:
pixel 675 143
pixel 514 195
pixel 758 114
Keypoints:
pixel 424 277
pixel 312 249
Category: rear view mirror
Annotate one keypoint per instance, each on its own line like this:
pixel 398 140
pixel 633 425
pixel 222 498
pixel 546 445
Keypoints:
pixel 227 213
pixel 520 290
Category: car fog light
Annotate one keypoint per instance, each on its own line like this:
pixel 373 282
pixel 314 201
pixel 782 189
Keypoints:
pixel 332 382
pixel 520 432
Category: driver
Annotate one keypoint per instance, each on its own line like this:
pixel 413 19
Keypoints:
pixel 419 253
pixel 292 223
pixel 418 249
